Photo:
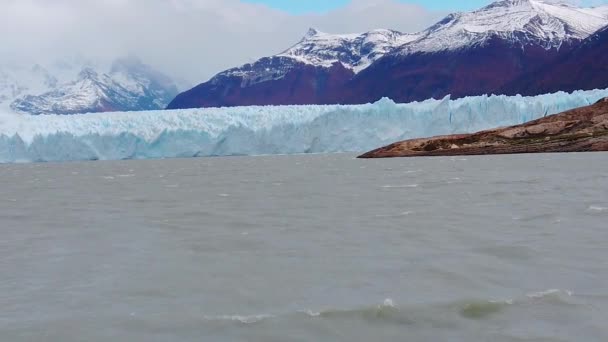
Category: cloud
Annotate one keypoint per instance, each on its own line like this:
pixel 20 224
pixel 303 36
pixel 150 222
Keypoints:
pixel 189 39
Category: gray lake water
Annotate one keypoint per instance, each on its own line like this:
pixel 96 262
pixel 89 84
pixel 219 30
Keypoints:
pixel 306 248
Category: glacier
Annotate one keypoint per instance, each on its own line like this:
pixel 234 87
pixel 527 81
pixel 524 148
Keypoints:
pixel 264 129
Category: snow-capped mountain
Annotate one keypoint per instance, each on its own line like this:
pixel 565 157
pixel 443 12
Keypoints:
pixel 521 22
pixel 305 73
pixel 318 49
pixel 463 54
pixel 479 52
pixel 83 87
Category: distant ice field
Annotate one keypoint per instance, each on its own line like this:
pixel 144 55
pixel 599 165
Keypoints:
pixel 264 130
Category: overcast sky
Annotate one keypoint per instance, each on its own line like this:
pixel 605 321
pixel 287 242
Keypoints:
pixel 188 39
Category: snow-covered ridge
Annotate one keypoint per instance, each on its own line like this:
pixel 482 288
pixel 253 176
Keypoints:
pixel 354 51
pixel 548 24
pixel 264 130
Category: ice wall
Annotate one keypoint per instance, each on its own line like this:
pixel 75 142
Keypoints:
pixel 264 130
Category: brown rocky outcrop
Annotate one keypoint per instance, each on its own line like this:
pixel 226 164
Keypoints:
pixel 583 129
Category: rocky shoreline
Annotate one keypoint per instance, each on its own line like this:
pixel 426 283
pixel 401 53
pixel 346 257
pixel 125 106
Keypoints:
pixel 582 129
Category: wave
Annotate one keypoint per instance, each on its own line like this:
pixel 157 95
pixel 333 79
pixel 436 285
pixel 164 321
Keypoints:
pixel 390 313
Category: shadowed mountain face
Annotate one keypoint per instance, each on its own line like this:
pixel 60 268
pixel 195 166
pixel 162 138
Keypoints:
pixel 579 130
pixel 491 50
pixel 478 70
pixel 584 67
pixel 301 84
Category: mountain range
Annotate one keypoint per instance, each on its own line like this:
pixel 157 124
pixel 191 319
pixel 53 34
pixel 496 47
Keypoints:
pixel 79 86
pixel 509 47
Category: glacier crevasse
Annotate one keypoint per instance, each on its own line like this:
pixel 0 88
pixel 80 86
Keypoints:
pixel 264 130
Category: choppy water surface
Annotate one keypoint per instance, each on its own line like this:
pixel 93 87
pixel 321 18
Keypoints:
pixel 306 248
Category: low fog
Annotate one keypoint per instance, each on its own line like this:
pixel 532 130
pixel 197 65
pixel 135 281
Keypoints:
pixel 187 39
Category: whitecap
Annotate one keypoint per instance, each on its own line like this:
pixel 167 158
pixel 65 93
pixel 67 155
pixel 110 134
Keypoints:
pixel 389 303
pixel 312 313
pixel 239 318
pixel 597 209
pixel 548 293
pixel 410 186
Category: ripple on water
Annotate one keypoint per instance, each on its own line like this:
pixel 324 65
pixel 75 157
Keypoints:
pixel 507 252
pixel 405 213
pixel 483 309
pixel 538 217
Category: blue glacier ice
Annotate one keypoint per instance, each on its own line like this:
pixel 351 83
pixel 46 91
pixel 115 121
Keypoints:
pixel 264 130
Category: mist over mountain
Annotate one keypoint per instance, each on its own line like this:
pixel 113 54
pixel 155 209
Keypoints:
pixel 73 86
pixel 185 39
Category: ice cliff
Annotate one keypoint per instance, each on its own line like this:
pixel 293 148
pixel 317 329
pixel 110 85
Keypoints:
pixel 264 130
